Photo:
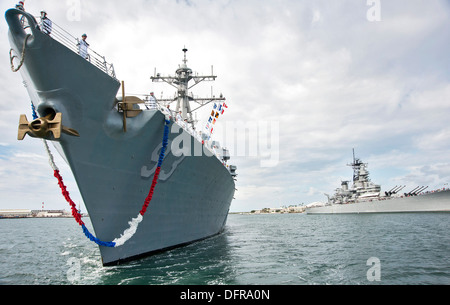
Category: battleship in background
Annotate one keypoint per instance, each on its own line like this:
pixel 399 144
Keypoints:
pixel 366 197
pixel 113 146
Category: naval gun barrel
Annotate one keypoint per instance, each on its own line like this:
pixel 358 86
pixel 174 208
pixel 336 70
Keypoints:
pixel 399 189
pixel 423 188
pixel 392 189
pixel 395 190
pixel 390 192
pixel 417 191
pixel 412 192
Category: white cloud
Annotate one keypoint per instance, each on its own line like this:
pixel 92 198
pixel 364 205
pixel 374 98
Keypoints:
pixel 26 180
pixel 332 79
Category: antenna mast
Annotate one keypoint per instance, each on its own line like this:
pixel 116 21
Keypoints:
pixel 181 82
pixel 356 165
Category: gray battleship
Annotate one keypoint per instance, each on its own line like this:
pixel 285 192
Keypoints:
pixel 364 196
pixel 115 148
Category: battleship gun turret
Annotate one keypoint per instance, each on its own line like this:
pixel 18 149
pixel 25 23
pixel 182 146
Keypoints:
pixel 391 191
pixel 420 190
pixel 399 189
pixel 395 190
pixel 412 191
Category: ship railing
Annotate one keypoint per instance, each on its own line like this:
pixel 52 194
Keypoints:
pixel 209 145
pixel 71 42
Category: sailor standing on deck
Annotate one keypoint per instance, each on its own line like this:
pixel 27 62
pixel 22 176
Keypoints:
pixel 168 112
pixel 46 24
pixel 178 118
pixel 83 47
pixel 150 104
pixel 184 124
pixel 20 6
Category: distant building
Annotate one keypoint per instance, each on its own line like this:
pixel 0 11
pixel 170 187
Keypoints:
pixel 282 210
pixel 34 213
pixel 15 213
pixel 50 213
pixel 298 209
pixel 46 214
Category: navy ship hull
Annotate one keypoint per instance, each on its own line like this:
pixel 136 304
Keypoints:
pixel 432 202
pixel 113 168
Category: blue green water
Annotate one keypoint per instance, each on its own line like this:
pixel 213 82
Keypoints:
pixel 290 249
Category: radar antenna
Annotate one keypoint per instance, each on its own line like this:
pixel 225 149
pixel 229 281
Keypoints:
pixel 181 82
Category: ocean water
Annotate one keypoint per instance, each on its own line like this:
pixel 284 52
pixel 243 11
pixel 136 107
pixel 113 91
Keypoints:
pixel 286 249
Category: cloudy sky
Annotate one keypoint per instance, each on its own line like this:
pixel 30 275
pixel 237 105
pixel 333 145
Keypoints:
pixel 327 76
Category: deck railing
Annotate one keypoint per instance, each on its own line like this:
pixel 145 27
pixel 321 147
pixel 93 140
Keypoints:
pixel 71 42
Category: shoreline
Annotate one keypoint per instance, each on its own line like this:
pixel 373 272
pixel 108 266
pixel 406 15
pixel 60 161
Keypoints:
pixel 27 214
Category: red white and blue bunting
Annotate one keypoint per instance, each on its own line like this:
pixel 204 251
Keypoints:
pixel 134 223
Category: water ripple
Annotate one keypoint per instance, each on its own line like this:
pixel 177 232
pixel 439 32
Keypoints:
pixel 253 250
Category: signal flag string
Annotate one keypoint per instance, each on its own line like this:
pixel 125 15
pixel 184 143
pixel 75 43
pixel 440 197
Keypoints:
pixel 134 223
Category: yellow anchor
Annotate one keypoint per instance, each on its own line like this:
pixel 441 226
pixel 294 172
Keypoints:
pixel 44 127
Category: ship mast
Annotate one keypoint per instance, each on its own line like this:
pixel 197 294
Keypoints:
pixel 184 76
pixel 356 165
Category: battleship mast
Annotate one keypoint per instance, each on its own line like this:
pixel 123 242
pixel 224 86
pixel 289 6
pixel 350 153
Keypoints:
pixel 184 76
pixel 357 165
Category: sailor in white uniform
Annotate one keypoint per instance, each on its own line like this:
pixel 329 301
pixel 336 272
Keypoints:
pixel 46 24
pixel 168 112
pixel 184 124
pixel 178 118
pixel 20 6
pixel 150 104
pixel 83 47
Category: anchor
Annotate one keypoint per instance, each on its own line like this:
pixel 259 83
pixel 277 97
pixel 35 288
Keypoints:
pixel 44 127
pixel 126 106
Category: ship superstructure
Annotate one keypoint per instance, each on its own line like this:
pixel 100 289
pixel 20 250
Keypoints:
pixel 361 189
